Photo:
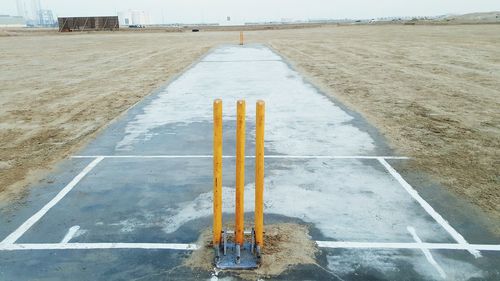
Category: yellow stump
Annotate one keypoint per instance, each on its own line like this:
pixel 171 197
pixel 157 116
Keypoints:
pixel 241 37
pixel 259 173
pixel 240 172
pixel 217 158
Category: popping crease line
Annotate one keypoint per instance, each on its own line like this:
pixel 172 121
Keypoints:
pixel 250 156
pixel 191 246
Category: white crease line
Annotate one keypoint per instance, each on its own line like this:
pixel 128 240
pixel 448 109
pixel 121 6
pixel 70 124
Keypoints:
pixel 249 156
pixel 12 238
pixel 173 246
pixel 93 246
pixel 427 253
pixel 427 207
pixel 239 60
pixel 419 246
pixel 332 157
pixel 71 233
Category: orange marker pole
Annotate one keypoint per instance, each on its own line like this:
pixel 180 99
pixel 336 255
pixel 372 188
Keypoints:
pixel 217 158
pixel 240 172
pixel 259 173
pixel 241 37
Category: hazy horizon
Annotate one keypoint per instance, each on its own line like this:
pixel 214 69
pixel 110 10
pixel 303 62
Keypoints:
pixel 216 11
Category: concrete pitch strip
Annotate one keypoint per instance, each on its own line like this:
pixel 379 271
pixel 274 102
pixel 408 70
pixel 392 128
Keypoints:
pixel 132 204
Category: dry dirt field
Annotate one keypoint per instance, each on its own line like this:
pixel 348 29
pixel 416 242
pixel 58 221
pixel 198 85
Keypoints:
pixel 433 91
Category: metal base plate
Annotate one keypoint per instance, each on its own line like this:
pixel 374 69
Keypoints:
pixel 247 259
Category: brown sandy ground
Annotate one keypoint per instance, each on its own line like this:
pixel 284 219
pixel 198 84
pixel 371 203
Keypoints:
pixel 285 245
pixel 57 91
pixel 433 91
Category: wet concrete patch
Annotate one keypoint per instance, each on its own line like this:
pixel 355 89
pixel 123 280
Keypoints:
pixel 380 264
pixel 95 265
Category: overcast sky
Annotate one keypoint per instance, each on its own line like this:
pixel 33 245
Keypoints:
pixel 185 11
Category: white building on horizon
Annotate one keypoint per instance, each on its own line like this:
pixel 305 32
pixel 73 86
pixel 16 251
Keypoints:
pixel 134 17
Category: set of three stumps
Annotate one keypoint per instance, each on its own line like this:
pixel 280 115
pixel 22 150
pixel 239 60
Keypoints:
pixel 229 254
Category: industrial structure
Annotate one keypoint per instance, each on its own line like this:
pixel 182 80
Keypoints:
pixel 33 15
pixel 68 24
pixel 46 18
pixel 29 10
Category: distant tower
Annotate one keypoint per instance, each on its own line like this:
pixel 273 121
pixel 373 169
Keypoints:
pixel 21 9
pixel 30 10
pixel 36 9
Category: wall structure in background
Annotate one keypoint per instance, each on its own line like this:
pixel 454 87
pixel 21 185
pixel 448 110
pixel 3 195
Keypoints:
pixel 68 24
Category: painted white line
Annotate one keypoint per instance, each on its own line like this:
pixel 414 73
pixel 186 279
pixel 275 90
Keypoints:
pixel 419 246
pixel 427 207
pixel 12 238
pixel 333 157
pixel 249 156
pixel 173 246
pixel 238 60
pixel 427 253
pixel 93 246
pixel 71 233
pixel 145 156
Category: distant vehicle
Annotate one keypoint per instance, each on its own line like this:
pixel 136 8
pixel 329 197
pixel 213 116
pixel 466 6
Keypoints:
pixel 137 26
pixel 195 30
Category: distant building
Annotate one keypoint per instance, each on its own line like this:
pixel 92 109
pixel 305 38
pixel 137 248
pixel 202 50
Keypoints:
pixel 134 17
pixel 68 24
pixel 11 21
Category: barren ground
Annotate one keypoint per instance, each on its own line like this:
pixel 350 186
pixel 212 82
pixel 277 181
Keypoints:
pixel 286 245
pixel 433 91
